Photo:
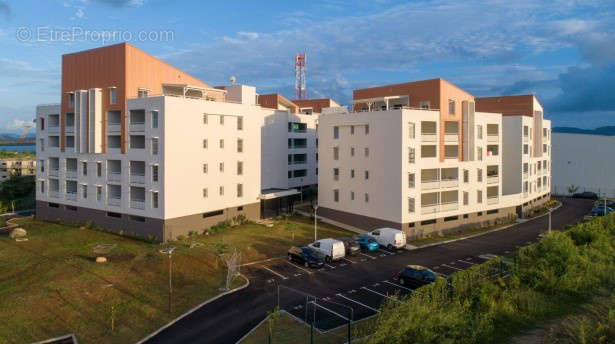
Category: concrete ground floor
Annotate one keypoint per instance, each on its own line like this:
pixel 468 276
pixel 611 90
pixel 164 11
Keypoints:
pixel 144 227
pixel 441 225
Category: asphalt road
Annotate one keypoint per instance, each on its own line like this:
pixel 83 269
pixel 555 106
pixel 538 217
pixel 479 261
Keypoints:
pixel 361 281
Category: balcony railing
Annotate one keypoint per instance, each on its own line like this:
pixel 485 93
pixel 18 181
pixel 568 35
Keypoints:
pixel 54 172
pixel 451 137
pixel 525 138
pixel 53 130
pixel 298 146
pixel 71 174
pixel 114 176
pixel 69 129
pixel 71 196
pixel 493 137
pixel 54 194
pixel 525 174
pixel 493 200
pixel 114 201
pixel 449 206
pixel 137 178
pixel 428 137
pixel 493 179
pixel 429 209
pixel 137 126
pixel 114 127
pixel 449 183
pixel 137 203
pixel 430 184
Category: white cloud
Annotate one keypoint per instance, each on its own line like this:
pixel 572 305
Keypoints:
pixel 15 124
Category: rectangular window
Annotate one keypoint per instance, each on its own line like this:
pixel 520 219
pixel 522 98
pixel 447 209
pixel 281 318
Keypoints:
pixel 42 123
pixel 366 152
pixel 525 149
pixel 351 151
pixel 411 180
pixel 352 195
pixel 479 131
pixel 239 123
pixel 154 173
pixel 205 118
pixel 154 119
pixel 366 198
pixel 479 153
pixel 142 93
pixel 221 167
pixel 239 190
pixel 112 95
pixel 204 168
pixel 239 168
pixel 205 194
pixel 155 199
pixel 239 146
pixel 71 100
pixel 221 119
pixel 98 193
pixel 41 163
pixel 366 129
pixel 479 175
pixel 351 173
pixel 221 191
pixel 411 155
pixel 411 130
pixel 411 205
pixel 154 146
pixel 352 130
pixel 424 104
pixel 466 176
pixel 336 195
pixel 98 169
pixel 466 197
pixel 451 107
pixel 336 153
pixel 42 186
pixel 42 144
pixel 336 132
pixel 336 174
pixel 221 143
pixel 84 191
pixel 366 175
pixel 479 196
pixel 84 168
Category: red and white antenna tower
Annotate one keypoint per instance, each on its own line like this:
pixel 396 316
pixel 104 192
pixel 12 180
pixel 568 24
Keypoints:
pixel 300 89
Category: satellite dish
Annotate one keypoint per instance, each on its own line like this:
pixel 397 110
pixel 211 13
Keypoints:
pixel 233 79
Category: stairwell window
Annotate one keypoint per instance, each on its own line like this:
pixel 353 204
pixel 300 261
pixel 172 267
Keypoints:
pixel 352 173
pixel 411 155
pixel 71 100
pixel 221 119
pixel 366 175
pixel 451 107
pixel 366 129
pixel 411 180
pixel 154 146
pixel 205 193
pixel 366 152
pixel 352 195
pixel 352 130
pixel 239 190
pixel 221 167
pixel 204 143
pixel 239 146
pixel 205 118
pixel 205 168
pixel 465 198
pixel 112 95
pixel 154 173
pixel 336 195
pixel 336 132
pixel 98 193
pixel 239 123
pixel 351 151
pixel 221 191
pixel 336 153
pixel 366 198
pixel 410 205
pixel 411 130
pixel 221 143
pixel 239 168
pixel 154 119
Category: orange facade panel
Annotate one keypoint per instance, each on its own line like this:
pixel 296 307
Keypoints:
pixel 507 105
pixel 274 100
pixel 316 104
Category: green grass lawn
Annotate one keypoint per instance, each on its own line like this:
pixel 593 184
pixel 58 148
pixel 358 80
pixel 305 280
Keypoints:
pixel 50 285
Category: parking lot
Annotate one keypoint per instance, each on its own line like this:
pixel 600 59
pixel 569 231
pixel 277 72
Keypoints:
pixel 331 311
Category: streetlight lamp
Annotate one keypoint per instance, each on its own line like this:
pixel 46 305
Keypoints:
pixel 169 251
pixel 315 220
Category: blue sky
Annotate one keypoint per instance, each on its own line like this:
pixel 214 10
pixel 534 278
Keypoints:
pixel 561 50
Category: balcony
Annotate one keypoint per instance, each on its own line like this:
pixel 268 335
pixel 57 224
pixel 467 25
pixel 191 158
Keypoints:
pixel 451 137
pixel 493 179
pixel 430 184
pixel 493 138
pixel 429 209
pixel 137 127
pixel 137 204
pixel 53 130
pixel 428 137
pixel 137 120
pixel 71 196
pixel 54 172
pixel 69 129
pixel 114 201
pixel 137 178
pixel 114 176
pixel 114 127
pixel 493 200
pixel 449 183
pixel 54 194
pixel 449 206
pixel 72 173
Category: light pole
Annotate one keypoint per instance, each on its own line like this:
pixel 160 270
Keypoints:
pixel 315 221
pixel 169 251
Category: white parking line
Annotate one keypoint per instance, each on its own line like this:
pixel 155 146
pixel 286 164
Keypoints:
pixel 359 303
pixel 348 260
pixel 273 272
pixel 383 295
pixel 452 267
pixel 397 285
pixel 331 266
pixel 387 252
pixel 327 309
pixel 300 268
pixel 367 255
pixel 463 261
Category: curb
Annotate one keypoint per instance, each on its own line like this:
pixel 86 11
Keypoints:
pixel 252 330
pixel 151 335
pixel 483 233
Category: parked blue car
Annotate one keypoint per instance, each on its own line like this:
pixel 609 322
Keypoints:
pixel 367 242
pixel 601 210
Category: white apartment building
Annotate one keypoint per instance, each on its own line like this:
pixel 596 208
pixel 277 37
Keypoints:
pixel 146 154
pixel 412 167
pixel 16 166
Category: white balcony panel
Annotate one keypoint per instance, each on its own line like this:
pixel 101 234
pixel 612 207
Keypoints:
pixel 428 137
pixel 54 194
pixel 493 138
pixel 53 130
pixel 54 172
pixel 492 200
pixel 71 174
pixel 114 176
pixel 137 204
pixel 493 179
pixel 140 127
pixel 450 206
pixel 449 183
pixel 69 129
pixel 137 179
pixel 430 185
pixel 71 196
pixel 114 127
pixel 114 202
pixel 451 138
pixel 429 209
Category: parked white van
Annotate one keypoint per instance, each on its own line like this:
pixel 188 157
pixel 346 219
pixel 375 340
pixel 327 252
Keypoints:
pixel 329 249
pixel 389 237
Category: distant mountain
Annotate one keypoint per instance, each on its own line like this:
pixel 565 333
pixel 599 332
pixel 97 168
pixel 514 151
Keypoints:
pixel 14 137
pixel 605 131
